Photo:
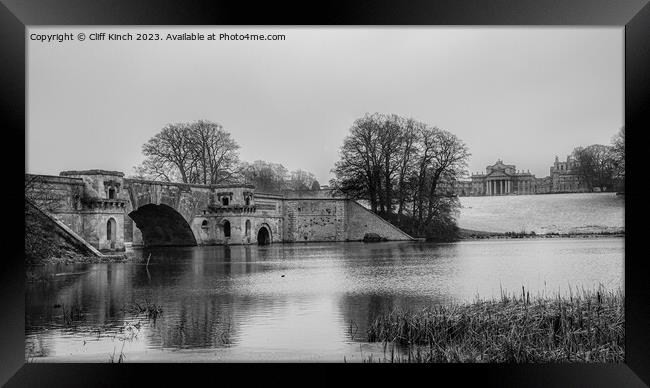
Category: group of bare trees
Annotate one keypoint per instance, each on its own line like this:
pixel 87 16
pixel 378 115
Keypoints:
pixel 402 168
pixel 202 152
pixel 274 177
pixel 618 157
pixel 602 166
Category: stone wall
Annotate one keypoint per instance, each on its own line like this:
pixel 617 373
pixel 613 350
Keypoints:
pixel 314 220
pixel 95 230
pixel 360 221
pixel 54 193
pixel 81 203
pixel 333 219
pixel 45 239
pixel 209 229
pixel 74 221
pixel 263 210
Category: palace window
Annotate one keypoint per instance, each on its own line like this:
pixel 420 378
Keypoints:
pixel 224 201
pixel 248 227
pixel 248 201
pixel 226 228
pixel 111 193
pixel 204 224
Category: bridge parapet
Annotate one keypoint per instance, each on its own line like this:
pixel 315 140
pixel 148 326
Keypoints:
pixel 102 184
pixel 100 203
pixel 235 209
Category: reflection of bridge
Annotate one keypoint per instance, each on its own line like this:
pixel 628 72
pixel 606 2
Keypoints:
pixel 93 203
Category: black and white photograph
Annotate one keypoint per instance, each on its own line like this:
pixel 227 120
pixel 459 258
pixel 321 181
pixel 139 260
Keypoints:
pixel 325 194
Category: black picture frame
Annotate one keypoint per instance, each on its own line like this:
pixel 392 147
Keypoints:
pixel 15 15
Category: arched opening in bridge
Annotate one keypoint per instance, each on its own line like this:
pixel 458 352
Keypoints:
pixel 263 236
pixel 162 225
pixel 111 193
pixel 226 228
pixel 248 228
pixel 111 231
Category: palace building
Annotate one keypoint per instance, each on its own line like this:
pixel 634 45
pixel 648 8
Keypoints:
pixel 565 177
pixel 505 179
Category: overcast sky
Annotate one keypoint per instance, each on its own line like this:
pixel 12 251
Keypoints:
pixel 520 94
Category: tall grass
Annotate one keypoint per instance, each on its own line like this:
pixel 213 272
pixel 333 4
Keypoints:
pixel 152 310
pixel 587 326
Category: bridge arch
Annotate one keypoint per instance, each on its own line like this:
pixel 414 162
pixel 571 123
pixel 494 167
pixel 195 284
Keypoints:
pixel 264 236
pixel 162 225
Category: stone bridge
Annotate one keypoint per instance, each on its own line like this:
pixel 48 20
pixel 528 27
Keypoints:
pixel 110 212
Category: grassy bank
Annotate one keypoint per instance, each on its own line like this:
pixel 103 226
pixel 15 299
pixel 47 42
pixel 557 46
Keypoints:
pixel 587 327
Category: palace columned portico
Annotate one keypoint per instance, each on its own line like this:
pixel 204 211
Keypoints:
pixel 498 186
pixel 503 179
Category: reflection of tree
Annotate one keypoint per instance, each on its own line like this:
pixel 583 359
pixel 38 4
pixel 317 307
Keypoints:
pixel 206 314
pixel 198 323
pixel 361 310
pixel 84 299
pixel 203 292
pixel 37 345
pixel 98 291
pixel 380 262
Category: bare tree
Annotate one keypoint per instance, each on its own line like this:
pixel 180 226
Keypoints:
pixel 595 165
pixel 389 160
pixel 408 152
pixel 618 156
pixel 197 152
pixel 214 152
pixel 390 138
pixel 358 171
pixel 157 168
pixel 302 180
pixel 265 176
pixel 169 150
pixel 449 161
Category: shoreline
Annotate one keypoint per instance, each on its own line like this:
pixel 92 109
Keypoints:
pixel 463 235
pixel 469 234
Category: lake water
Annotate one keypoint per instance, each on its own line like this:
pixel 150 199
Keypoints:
pixel 287 302
pixel 544 213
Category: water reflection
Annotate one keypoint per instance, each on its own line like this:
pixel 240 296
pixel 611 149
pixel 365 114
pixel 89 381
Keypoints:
pixel 313 298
